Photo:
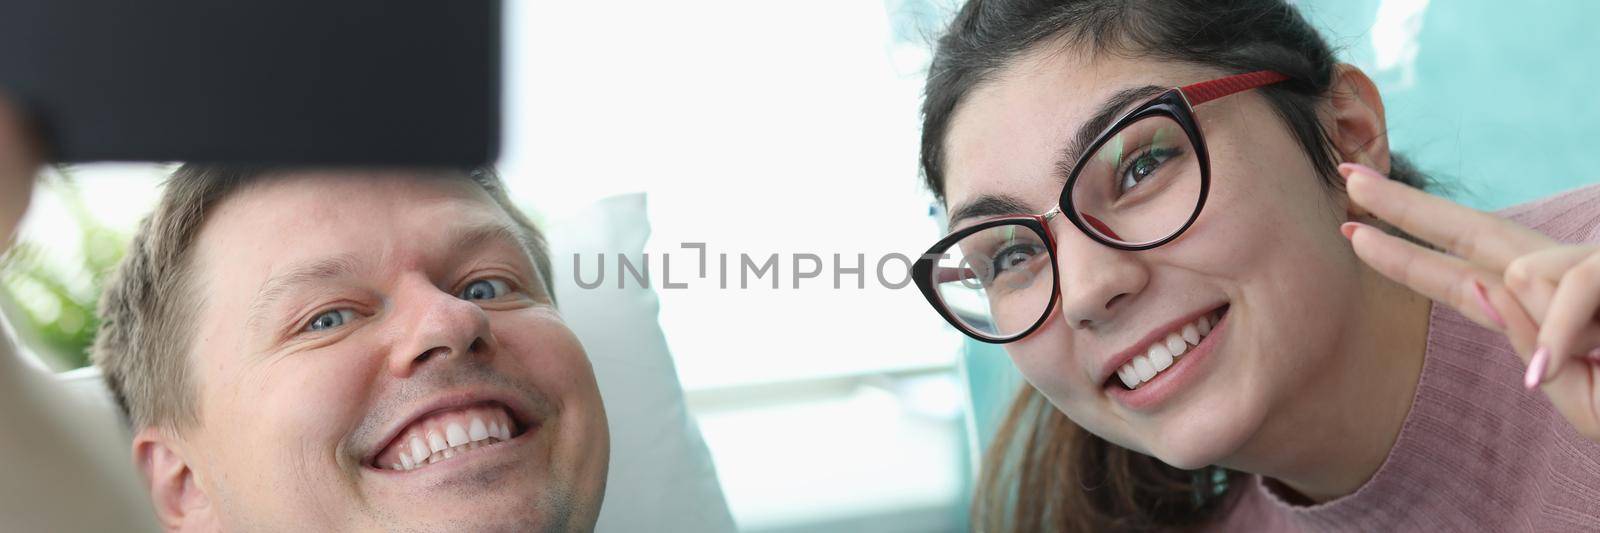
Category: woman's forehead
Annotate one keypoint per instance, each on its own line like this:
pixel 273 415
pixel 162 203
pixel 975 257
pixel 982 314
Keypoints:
pixel 1007 133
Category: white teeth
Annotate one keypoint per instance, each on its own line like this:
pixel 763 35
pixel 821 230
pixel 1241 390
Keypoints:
pixel 1128 378
pixel 445 439
pixel 1191 334
pixel 1175 344
pixel 436 442
pixel 1141 365
pixel 1159 357
pixel 455 434
pixel 1163 352
pixel 419 450
pixel 477 431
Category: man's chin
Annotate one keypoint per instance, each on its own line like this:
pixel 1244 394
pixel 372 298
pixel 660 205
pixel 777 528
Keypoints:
pixel 481 518
pixel 517 506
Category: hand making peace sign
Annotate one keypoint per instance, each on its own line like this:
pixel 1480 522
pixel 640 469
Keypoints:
pixel 1542 294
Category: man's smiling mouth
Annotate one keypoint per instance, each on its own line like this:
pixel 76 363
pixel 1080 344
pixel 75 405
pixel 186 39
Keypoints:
pixel 446 434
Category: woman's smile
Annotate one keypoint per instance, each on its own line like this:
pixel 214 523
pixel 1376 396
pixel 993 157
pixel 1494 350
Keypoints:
pixel 1166 362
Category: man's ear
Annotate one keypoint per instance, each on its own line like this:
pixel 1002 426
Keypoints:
pixel 180 502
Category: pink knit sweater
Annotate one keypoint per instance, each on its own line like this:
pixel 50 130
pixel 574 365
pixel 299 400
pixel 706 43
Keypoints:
pixel 1477 452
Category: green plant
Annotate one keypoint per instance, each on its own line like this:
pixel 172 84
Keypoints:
pixel 52 303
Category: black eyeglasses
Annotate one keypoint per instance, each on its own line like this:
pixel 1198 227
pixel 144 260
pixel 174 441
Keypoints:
pixel 1139 185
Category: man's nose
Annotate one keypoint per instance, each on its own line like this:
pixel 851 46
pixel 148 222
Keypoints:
pixel 439 328
pixel 1096 280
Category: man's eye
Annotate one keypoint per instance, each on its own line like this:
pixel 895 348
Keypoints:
pixel 331 319
pixel 485 289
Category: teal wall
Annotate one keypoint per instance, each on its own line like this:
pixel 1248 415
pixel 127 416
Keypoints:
pixel 1500 99
pixel 1499 104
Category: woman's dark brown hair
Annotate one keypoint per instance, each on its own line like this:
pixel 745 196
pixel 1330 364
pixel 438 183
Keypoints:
pixel 1043 472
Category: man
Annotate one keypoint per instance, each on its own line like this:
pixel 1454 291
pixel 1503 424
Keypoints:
pixel 350 350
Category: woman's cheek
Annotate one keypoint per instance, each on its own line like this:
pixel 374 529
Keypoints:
pixel 1048 365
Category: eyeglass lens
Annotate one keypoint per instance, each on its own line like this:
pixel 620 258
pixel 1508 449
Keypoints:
pixel 1138 187
pixel 1141 185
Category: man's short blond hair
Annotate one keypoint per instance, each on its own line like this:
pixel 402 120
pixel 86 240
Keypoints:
pixel 147 309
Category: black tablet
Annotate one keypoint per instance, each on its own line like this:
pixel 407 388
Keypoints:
pixel 316 82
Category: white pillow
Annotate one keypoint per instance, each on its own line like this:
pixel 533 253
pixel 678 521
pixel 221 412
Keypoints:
pixel 661 476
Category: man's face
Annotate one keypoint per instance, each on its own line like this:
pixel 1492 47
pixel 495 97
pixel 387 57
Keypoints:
pixel 379 353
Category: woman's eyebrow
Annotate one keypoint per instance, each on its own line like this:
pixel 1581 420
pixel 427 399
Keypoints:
pixel 987 205
pixel 1110 110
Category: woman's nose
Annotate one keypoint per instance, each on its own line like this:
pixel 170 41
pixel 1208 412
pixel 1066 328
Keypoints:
pixel 1096 280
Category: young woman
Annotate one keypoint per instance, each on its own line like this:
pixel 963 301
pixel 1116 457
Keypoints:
pixel 1234 306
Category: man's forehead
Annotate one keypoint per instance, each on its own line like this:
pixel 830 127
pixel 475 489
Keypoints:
pixel 286 222
pixel 315 192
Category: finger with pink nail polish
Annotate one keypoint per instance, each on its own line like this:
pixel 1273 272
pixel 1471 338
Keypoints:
pixel 1536 367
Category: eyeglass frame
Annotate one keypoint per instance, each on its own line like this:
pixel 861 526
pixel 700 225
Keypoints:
pixel 1177 104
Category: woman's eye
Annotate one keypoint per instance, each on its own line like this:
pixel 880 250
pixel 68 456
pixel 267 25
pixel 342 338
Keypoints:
pixel 1014 256
pixel 331 319
pixel 1143 166
pixel 485 289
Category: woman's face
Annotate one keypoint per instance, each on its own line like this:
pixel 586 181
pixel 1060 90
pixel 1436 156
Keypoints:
pixel 1265 252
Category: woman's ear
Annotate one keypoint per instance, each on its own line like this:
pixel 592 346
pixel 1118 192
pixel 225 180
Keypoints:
pixel 1359 133
pixel 181 504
